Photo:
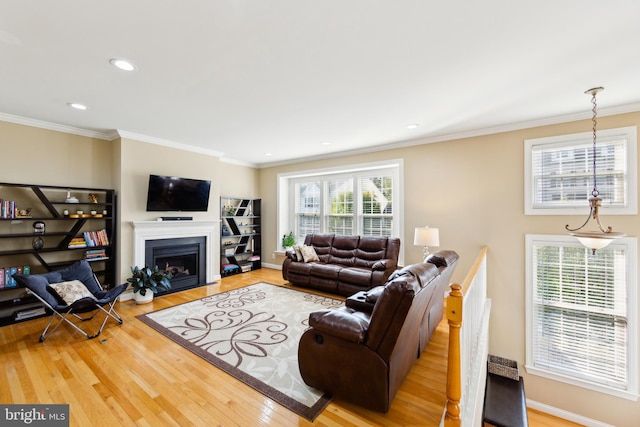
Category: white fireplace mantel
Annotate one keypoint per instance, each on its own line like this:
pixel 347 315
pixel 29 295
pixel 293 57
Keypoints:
pixel 154 230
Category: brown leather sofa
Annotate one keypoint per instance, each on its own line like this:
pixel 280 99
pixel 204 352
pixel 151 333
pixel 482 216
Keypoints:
pixel 363 351
pixel 347 264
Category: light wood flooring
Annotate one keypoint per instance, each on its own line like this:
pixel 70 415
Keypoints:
pixel 133 376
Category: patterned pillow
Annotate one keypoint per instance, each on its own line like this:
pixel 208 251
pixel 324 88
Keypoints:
pixel 299 257
pixel 71 291
pixel 308 253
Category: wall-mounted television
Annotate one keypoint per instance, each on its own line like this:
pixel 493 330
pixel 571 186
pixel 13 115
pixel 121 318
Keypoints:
pixel 171 193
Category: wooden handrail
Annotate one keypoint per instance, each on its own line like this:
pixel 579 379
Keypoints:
pixel 455 303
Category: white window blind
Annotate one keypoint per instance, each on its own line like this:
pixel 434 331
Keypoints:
pixel 563 174
pixel 376 199
pixel 307 208
pixel 559 172
pixel 358 200
pixel 579 313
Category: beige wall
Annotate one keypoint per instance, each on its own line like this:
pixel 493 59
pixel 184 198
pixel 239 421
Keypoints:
pixel 138 161
pixel 472 190
pixel 38 156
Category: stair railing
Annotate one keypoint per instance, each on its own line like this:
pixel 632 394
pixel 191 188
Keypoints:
pixel 468 311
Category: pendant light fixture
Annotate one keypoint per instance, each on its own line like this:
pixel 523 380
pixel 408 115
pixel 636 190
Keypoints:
pixel 600 238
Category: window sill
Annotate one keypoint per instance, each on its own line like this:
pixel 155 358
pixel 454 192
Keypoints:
pixel 624 394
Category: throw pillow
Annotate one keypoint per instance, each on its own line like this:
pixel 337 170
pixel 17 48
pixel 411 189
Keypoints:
pixel 308 253
pixel 71 291
pixel 299 256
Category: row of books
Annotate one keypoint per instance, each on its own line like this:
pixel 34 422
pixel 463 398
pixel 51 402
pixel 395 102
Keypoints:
pixel 6 275
pixel 95 254
pixel 96 238
pixel 8 208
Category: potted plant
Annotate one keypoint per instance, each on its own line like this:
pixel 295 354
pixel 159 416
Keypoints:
pixel 288 240
pixel 148 281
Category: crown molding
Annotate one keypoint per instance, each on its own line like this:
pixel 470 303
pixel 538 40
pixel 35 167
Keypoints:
pixel 54 126
pixel 164 142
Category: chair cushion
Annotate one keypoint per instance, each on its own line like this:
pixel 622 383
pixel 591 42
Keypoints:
pixel 70 291
pixel 80 270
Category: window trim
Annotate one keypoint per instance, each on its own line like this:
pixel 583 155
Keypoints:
pixel 285 212
pixel 630 244
pixel 628 133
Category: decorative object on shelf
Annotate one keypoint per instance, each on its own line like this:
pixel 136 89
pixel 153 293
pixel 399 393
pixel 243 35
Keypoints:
pixel 65 212
pixel 24 213
pixel 37 243
pixel 39 227
pixel 288 240
pixel 93 197
pixel 596 239
pixel 71 199
pixel 228 210
pixel 425 236
pixel 148 281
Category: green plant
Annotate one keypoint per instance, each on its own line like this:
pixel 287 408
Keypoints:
pixel 149 278
pixel 288 240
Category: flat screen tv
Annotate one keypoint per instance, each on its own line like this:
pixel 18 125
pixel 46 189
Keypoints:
pixel 171 193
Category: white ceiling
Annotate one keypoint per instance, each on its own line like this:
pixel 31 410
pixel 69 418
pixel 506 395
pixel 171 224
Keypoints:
pixel 242 78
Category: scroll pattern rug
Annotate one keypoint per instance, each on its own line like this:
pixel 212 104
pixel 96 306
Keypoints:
pixel 251 333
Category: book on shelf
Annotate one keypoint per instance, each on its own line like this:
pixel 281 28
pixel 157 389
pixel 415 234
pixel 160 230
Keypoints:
pixel 96 255
pixel 27 314
pixel 96 238
pixel 6 275
pixel 77 242
pixel 8 208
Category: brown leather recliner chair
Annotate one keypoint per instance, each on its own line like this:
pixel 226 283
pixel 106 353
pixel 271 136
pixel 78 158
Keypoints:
pixel 364 357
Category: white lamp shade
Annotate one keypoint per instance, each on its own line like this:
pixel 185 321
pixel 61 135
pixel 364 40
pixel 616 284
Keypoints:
pixel 425 236
pixel 594 243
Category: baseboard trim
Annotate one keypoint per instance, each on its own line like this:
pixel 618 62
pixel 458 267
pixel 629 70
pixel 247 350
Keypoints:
pixel 274 266
pixel 566 415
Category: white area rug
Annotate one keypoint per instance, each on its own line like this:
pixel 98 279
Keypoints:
pixel 251 333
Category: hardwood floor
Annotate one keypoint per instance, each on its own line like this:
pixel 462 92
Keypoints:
pixel 131 375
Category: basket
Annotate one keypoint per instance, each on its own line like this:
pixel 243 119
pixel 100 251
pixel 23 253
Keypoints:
pixel 504 367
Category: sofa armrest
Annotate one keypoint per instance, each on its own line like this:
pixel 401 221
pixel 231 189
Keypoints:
pixel 383 264
pixel 340 323
pixel 291 254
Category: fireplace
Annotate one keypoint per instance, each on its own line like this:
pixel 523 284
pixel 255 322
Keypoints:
pixel 177 243
pixel 184 257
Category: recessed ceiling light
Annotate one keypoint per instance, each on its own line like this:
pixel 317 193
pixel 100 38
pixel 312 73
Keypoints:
pixel 413 126
pixel 123 64
pixel 267 154
pixel 326 143
pixel 77 106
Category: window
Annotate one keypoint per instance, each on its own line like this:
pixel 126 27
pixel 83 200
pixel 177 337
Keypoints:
pixel 581 321
pixel 356 200
pixel 559 172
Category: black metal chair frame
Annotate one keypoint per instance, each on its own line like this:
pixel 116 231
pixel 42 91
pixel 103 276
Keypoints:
pixel 65 313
